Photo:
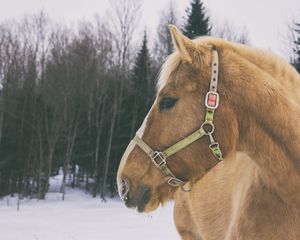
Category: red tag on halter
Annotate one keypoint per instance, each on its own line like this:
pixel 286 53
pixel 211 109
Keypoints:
pixel 212 100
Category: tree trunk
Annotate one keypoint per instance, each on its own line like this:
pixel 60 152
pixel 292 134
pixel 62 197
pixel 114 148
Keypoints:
pixel 108 153
pixel 99 125
pixel 71 140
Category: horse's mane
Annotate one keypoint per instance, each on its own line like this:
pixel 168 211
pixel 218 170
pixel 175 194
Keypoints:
pixel 272 64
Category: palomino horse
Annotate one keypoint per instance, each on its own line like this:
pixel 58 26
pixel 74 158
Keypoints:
pixel 231 161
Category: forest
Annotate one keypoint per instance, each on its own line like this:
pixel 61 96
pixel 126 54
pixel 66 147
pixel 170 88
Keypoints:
pixel 72 97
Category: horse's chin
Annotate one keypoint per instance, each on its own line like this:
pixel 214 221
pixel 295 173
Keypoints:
pixel 160 196
pixel 142 199
pixel 145 199
pixel 151 206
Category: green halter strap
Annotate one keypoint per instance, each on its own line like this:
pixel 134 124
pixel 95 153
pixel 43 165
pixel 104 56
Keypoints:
pixel 207 128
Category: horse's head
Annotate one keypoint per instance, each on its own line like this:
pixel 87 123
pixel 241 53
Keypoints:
pixel 144 180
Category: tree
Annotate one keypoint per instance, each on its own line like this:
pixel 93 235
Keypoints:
pixel 228 32
pixel 66 101
pixel 163 46
pixel 197 23
pixel 124 17
pixel 143 86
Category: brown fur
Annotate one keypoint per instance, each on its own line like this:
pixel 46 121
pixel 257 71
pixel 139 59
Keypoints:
pixel 254 192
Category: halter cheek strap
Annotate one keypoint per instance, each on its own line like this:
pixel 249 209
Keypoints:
pixel 159 160
pixel 207 128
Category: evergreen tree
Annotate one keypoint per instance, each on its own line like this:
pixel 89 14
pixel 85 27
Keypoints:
pixel 143 86
pixel 197 23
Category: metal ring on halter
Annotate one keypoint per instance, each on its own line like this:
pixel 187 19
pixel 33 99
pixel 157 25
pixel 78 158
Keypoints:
pixel 175 182
pixel 209 131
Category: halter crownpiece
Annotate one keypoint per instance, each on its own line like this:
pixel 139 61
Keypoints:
pixel 207 128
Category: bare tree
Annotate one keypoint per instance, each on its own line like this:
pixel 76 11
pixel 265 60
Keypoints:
pixel 35 33
pixel 124 17
pixel 229 32
pixel 2 66
pixel 163 44
pixel 103 44
pixel 65 101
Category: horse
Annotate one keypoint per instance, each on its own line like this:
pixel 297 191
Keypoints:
pixel 221 139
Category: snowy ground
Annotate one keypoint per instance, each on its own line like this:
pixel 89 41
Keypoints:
pixel 81 217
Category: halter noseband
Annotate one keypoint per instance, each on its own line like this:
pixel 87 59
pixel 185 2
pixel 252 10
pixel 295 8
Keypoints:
pixel 207 128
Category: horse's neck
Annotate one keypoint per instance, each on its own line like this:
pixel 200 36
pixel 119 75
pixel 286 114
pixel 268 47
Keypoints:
pixel 269 132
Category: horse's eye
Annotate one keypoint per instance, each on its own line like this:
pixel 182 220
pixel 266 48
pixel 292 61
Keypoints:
pixel 166 103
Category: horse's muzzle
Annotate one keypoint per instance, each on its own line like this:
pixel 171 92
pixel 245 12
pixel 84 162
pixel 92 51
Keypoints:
pixel 134 199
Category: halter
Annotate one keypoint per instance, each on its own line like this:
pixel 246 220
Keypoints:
pixel 159 158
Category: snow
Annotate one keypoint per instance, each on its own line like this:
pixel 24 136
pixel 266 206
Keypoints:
pixel 81 217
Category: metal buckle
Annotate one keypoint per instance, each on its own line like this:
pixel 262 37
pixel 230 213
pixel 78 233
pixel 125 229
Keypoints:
pixel 208 128
pixel 161 158
pixel 175 182
pixel 214 145
pixel 212 105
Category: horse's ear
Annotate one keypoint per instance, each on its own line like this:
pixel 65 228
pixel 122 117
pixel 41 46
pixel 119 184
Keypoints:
pixel 182 44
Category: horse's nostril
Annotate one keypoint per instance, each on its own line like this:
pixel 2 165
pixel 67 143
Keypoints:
pixel 124 189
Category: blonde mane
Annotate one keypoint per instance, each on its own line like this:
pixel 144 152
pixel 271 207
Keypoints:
pixel 272 64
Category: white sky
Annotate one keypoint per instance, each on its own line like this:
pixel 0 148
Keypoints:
pixel 265 20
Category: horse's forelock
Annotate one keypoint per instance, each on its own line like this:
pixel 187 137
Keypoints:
pixel 167 69
pixel 173 61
